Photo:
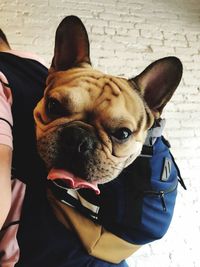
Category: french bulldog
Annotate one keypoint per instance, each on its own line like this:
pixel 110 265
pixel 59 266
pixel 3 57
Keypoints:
pixel 91 125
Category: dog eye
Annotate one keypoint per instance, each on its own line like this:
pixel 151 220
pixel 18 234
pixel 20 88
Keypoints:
pixel 54 107
pixel 122 134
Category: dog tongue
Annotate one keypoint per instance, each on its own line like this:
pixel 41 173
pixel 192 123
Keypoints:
pixel 72 180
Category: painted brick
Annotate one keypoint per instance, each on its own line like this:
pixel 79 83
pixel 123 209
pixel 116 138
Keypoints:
pixel 125 37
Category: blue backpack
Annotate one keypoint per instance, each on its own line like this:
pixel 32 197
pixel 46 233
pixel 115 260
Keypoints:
pixel 138 205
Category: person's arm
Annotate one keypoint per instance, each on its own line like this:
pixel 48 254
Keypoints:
pixel 5 181
pixel 5 150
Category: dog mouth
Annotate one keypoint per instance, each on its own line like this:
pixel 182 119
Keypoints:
pixel 71 180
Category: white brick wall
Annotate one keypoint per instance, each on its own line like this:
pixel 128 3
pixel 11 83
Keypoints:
pixel 125 37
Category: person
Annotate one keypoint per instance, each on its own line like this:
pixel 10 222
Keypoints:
pixel 6 123
pixel 30 233
pixel 12 191
pixel 5 142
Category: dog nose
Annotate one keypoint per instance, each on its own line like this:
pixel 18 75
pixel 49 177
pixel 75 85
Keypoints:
pixel 77 140
pixel 85 145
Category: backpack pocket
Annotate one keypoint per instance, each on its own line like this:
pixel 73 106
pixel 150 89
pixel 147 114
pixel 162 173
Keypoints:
pixel 158 200
pixel 157 213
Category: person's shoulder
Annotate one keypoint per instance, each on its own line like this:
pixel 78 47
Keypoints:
pixel 29 55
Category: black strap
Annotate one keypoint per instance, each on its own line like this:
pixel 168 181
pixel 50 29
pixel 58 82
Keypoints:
pixel 63 196
pixel 147 151
pixel 8 225
pixel 180 179
pixel 5 84
pixel 6 122
pixel 26 79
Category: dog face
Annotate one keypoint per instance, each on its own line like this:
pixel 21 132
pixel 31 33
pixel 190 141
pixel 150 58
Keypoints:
pixel 90 125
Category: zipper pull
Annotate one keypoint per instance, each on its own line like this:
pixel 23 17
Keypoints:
pixel 162 197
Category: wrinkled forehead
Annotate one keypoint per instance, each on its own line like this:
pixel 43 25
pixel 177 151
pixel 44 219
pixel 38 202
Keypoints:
pixel 86 77
pixel 93 86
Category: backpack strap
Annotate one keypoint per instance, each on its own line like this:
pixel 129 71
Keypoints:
pixel 26 79
pixel 155 132
pixel 180 179
pixel 152 135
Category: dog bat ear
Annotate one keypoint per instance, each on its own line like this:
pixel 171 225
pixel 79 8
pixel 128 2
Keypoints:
pixel 158 82
pixel 4 44
pixel 71 44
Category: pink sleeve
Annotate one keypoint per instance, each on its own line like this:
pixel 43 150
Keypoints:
pixel 27 55
pixel 5 113
pixel 9 248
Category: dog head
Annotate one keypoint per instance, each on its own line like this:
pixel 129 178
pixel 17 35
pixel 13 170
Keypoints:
pixel 90 125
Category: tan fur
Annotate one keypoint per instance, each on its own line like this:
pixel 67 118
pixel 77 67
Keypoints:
pixel 101 103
